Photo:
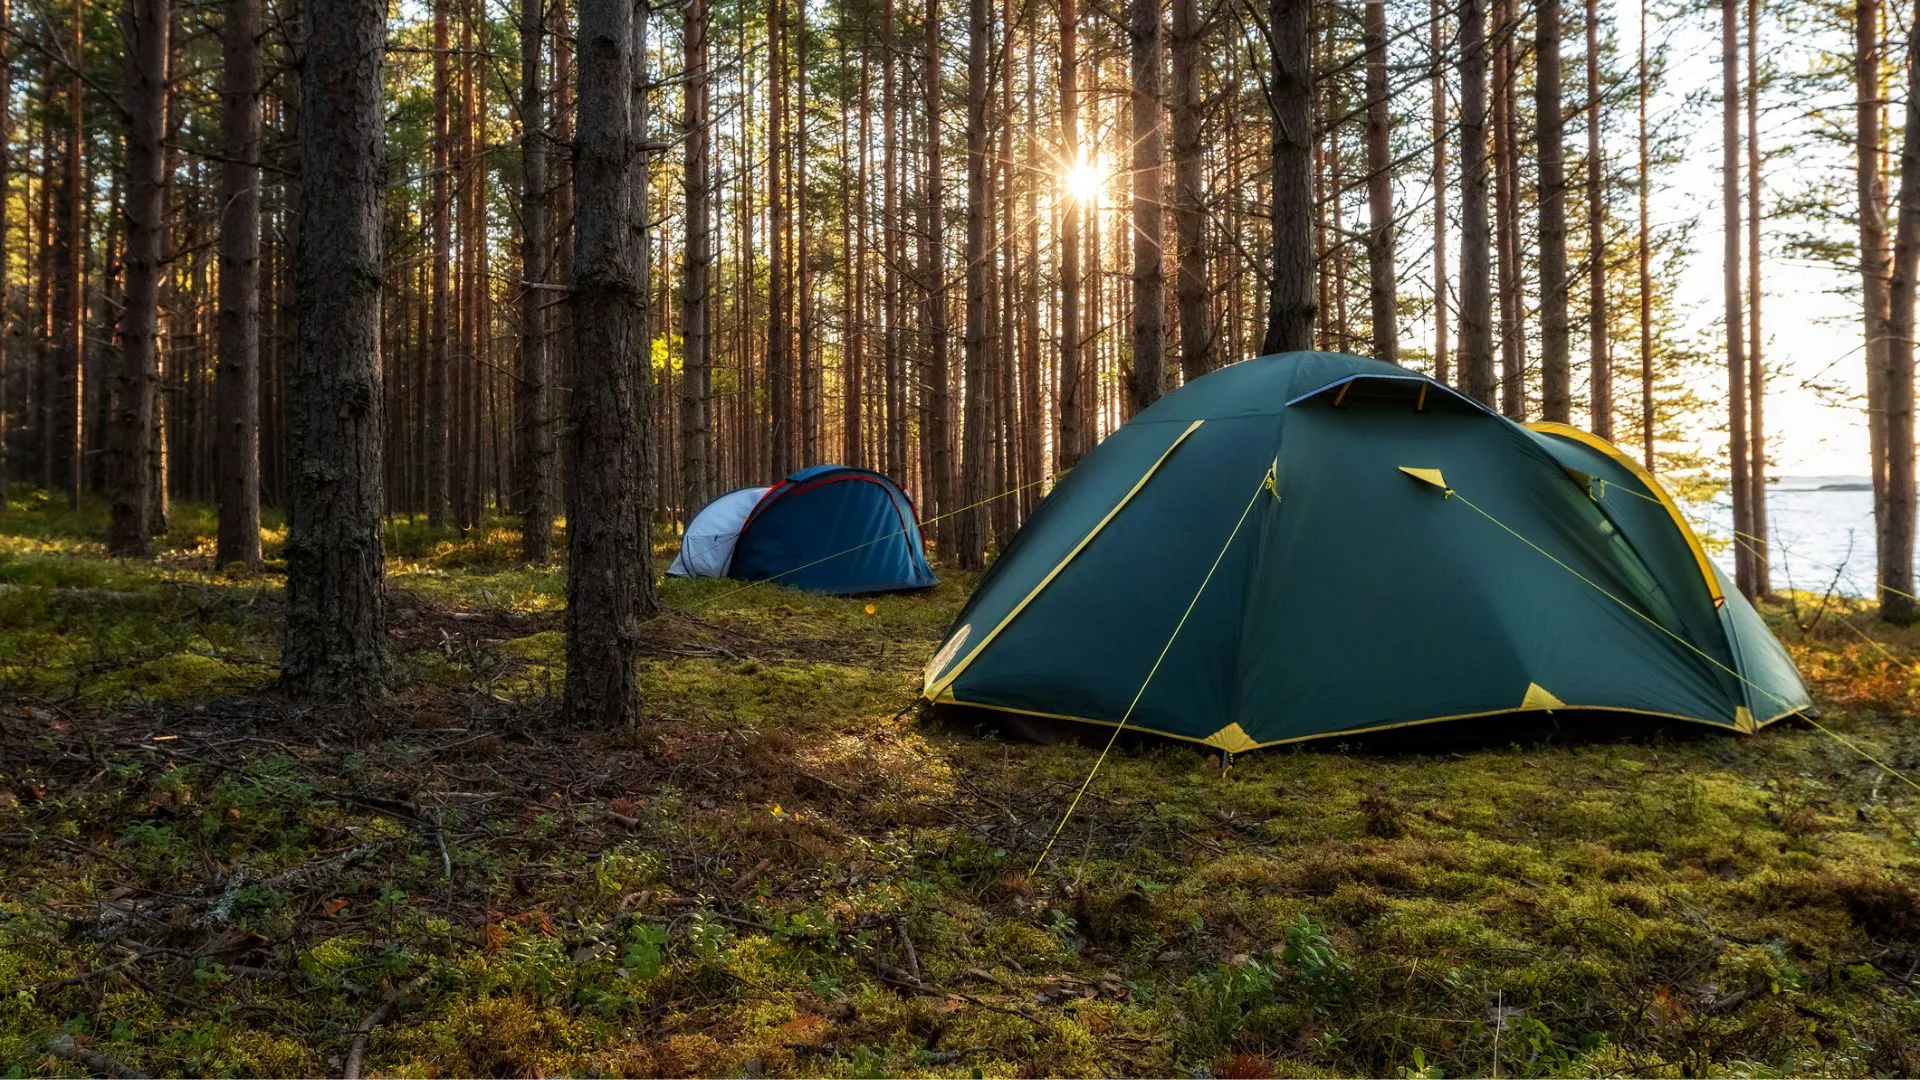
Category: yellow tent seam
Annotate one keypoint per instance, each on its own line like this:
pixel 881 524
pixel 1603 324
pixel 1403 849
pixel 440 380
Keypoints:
pixel 933 689
pixel 1595 442
pixel 948 698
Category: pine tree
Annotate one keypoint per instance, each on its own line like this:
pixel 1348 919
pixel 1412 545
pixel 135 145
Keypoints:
pixel 336 610
pixel 145 24
pixel 238 442
pixel 603 548
pixel 1292 307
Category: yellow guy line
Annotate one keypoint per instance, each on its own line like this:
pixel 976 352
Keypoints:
pixel 1890 770
pixel 1151 672
pixel 1748 540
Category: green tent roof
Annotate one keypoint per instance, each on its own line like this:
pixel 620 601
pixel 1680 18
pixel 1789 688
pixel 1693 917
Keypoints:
pixel 1314 544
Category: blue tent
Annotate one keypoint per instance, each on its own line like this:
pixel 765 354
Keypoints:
pixel 829 528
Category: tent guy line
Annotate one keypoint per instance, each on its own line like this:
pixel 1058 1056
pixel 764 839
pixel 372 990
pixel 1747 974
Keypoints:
pixel 1266 480
pixel 1058 629
pixel 1452 494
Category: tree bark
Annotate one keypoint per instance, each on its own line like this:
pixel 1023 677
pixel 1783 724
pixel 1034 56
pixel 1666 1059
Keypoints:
pixel 807 388
pixel 438 435
pixel 1442 367
pixel 894 418
pixel 969 525
pixel 533 403
pixel 936 433
pixel 1556 369
pixel 891 442
pixel 696 377
pixel 1649 420
pixel 336 618
pixel 1736 321
pixel 1146 379
pixel 1380 258
pixel 640 217
pixel 238 443
pixel 145 24
pixel 8 355
pixel 1875 258
pixel 1292 306
pixel 1476 240
pixel 602 512
pixel 780 221
pixel 1076 391
pixel 1506 195
pixel 68 329
pixel 1599 353
pixel 1197 329
pixel 1897 602
pixel 1756 368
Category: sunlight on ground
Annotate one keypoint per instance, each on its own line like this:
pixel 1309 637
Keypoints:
pixel 780 871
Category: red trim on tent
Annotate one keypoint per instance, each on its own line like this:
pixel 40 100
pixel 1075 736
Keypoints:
pixel 788 487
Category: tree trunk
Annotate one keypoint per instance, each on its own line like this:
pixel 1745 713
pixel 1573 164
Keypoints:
pixel 640 354
pixel 1897 602
pixel 68 302
pixel 532 402
pixel 1442 368
pixel 439 469
pixel 1756 369
pixel 602 545
pixel 1599 354
pixel 853 240
pixel 336 619
pixel 893 366
pixel 1476 241
pixel 1292 307
pixel 1649 421
pixel 936 433
pixel 145 24
pixel 696 377
pixel 1506 194
pixel 1076 390
pixel 969 525
pixel 1380 268
pixel 1736 321
pixel 894 415
pixel 1189 196
pixel 780 221
pixel 808 382
pixel 1146 379
pixel 1875 259
pixel 237 446
pixel 8 355
pixel 1556 369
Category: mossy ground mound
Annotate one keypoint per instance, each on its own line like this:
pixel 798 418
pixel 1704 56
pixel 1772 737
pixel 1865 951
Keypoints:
pixel 783 871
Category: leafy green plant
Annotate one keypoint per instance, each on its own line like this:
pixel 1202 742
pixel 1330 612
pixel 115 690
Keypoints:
pixel 644 954
pixel 1310 955
pixel 1420 1070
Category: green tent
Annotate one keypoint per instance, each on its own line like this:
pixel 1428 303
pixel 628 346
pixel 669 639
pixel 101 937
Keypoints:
pixel 1313 544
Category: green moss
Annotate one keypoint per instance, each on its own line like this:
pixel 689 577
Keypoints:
pixel 747 876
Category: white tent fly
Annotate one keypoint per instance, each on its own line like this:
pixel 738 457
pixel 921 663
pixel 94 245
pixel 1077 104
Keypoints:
pixel 707 548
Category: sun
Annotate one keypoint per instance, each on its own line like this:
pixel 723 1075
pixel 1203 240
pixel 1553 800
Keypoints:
pixel 1084 180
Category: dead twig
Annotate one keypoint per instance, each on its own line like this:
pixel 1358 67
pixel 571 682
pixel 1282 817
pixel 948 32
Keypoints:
pixel 906 947
pixel 358 1052
pixel 51 985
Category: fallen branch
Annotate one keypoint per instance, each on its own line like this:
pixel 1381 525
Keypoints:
pixel 51 985
pixel 906 946
pixel 98 1064
pixel 365 1031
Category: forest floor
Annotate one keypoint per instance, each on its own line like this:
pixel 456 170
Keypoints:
pixel 785 870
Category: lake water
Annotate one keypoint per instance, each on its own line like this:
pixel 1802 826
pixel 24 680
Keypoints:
pixel 1820 528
